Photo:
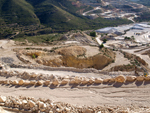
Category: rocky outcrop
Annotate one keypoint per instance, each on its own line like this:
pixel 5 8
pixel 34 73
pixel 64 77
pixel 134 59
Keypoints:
pixel 72 56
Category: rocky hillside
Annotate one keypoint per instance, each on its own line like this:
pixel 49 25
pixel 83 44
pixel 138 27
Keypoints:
pixel 30 17
pixel 58 15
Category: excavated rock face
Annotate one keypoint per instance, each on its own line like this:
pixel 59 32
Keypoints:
pixel 71 51
pixel 75 56
pixel 98 62
pixel 72 56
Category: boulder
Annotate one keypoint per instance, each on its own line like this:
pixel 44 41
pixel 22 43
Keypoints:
pixel 33 75
pixel 6 82
pixel 46 83
pixel 41 104
pixel 3 99
pixel 91 81
pixel 25 75
pixel 147 78
pixel 84 81
pixel 106 80
pixel 39 83
pixel 59 110
pixel 67 109
pixel 111 80
pixel 72 82
pixel 32 104
pixel 11 82
pixel 120 78
pixel 26 82
pixel 32 82
pixel 77 80
pixel 130 78
pixel 24 102
pixel 140 78
pixel 15 82
pixel 55 82
pixel 64 82
pixel 1 81
pixel 18 102
pixel 21 82
pixel 87 111
pixel 98 81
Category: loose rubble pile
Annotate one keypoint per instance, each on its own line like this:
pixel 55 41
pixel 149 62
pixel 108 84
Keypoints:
pixel 34 79
pixel 32 105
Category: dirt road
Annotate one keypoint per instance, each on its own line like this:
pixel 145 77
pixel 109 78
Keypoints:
pixel 128 94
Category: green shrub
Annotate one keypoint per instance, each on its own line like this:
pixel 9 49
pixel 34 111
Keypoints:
pixel 33 56
pixel 104 40
pixel 93 34
pixel 127 38
pixel 101 46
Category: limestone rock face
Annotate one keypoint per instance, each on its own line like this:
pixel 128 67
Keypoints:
pixel 140 78
pixel 71 51
pixel 3 99
pixel 130 78
pixel 120 79
pixel 77 56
